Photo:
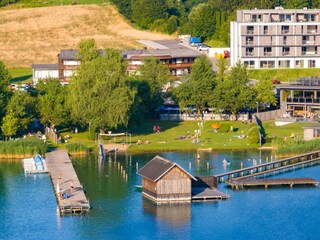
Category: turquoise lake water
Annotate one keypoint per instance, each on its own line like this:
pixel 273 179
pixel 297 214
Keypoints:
pixel 28 208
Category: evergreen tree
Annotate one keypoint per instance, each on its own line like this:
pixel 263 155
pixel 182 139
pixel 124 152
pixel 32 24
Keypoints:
pixel 4 88
pixel 145 12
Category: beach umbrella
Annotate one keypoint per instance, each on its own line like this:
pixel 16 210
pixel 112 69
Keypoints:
pixel 215 125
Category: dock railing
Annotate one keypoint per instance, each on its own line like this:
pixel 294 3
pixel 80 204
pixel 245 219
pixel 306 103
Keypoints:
pixel 308 158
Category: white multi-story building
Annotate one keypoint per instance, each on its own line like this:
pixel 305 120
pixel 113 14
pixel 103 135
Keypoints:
pixel 276 38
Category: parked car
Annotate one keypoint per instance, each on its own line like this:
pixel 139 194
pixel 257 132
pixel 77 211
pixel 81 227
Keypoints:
pixel 275 81
pixel 203 47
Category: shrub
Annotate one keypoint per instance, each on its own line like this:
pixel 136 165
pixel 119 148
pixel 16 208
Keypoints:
pixel 225 127
pixel 22 148
pixel 253 135
pixel 77 148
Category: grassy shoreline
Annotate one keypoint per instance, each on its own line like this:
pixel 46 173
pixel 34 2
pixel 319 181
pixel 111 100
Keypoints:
pixel 171 136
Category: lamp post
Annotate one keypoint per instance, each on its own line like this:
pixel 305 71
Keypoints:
pixel 257 107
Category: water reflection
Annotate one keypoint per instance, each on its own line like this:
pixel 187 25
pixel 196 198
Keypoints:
pixel 173 213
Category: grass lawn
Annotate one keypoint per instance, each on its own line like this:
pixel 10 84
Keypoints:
pixel 284 75
pixel 21 75
pixel 168 138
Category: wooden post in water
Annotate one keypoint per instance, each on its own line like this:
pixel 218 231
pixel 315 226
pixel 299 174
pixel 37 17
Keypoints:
pixel 208 165
pixel 189 166
pixel 137 166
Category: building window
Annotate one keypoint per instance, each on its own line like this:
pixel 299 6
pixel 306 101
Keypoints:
pixel 284 64
pixel 249 64
pixel 284 29
pixel 265 29
pixel 249 51
pixel 299 63
pixel 284 40
pixel 249 40
pixel 285 17
pixel 267 64
pixel 312 29
pixel 267 51
pixel 285 51
pixel 250 29
pixel 311 63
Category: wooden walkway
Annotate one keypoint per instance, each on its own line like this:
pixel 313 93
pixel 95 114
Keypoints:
pixel 299 161
pixel 240 184
pixel 62 171
pixel 207 194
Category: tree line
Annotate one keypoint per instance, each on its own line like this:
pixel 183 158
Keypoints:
pixel 208 19
pixel 102 96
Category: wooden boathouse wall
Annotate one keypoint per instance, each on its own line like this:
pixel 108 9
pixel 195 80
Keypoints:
pixel 175 185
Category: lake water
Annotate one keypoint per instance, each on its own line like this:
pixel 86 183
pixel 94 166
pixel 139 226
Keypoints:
pixel 28 208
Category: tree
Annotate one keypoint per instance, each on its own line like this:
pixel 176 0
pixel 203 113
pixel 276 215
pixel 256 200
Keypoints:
pixel 202 21
pixel 53 106
pixel 222 65
pixel 153 75
pixel 145 12
pixel 124 7
pixel 4 88
pixel 10 125
pixel 22 107
pixel 234 93
pixel 198 89
pixel 87 50
pixel 264 92
pixel 100 96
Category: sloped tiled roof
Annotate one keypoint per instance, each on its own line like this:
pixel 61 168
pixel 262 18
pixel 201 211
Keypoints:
pixel 158 167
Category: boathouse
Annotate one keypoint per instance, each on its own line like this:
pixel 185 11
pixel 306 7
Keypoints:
pixel 163 180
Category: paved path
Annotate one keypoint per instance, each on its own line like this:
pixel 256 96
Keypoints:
pixel 63 176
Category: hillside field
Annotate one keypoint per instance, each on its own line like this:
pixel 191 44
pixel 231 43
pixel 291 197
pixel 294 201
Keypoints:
pixel 36 35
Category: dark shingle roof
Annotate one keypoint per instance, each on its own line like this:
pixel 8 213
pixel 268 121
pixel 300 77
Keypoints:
pixel 158 167
pixel 68 54
pixel 45 66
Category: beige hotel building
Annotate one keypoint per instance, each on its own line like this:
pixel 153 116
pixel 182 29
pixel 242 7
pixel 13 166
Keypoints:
pixel 276 38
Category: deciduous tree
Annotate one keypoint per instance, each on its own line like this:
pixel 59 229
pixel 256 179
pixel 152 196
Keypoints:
pixel 100 96
pixel 234 92
pixel 198 89
pixel 22 107
pixel 52 105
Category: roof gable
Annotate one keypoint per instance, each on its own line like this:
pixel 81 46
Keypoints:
pixel 158 167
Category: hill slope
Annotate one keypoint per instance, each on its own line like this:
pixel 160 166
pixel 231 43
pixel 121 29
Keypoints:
pixel 37 35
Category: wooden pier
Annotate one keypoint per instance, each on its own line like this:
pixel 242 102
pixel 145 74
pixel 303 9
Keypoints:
pixel 285 164
pixel 72 199
pixel 207 194
pixel 241 184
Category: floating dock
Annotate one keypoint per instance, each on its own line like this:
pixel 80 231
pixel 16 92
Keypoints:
pixel 241 184
pixel 207 194
pixel 69 192
pixel 31 167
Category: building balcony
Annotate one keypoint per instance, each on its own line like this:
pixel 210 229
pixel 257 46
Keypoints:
pixel 250 43
pixel 284 31
pixel 179 65
pixel 309 53
pixel 249 54
pixel 267 54
pixel 308 42
pixel 285 53
pixel 250 32
pixel 303 100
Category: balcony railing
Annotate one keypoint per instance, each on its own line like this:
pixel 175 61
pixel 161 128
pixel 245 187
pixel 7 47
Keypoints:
pixel 249 54
pixel 305 53
pixel 308 42
pixel 284 31
pixel 285 53
pixel 311 31
pixel 302 100
pixel 249 42
pixel 249 32
pixel 267 53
